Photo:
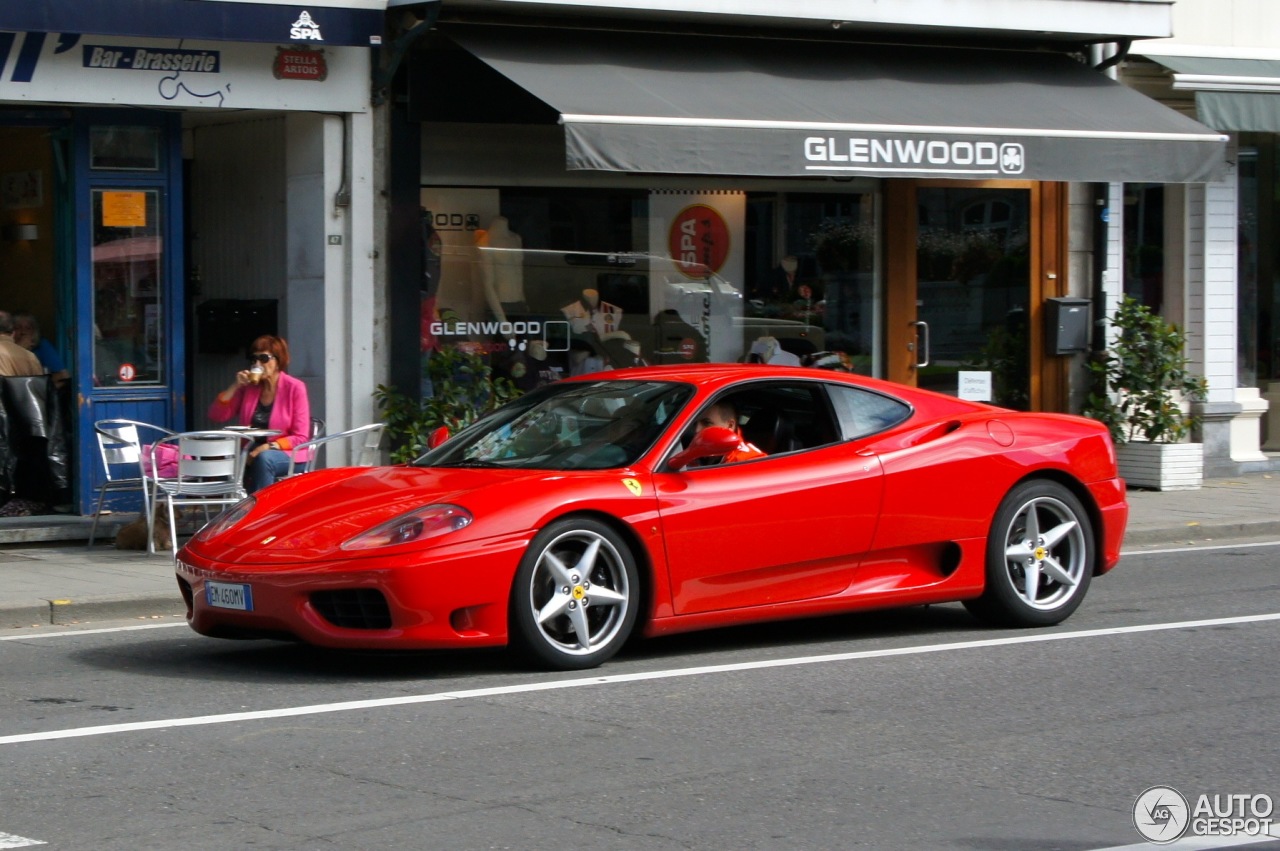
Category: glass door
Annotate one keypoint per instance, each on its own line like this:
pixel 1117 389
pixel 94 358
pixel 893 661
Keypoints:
pixel 969 266
pixel 129 295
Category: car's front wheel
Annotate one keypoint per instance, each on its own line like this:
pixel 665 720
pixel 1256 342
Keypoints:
pixel 574 600
pixel 1039 557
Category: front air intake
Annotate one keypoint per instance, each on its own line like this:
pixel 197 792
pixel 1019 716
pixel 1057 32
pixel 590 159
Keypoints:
pixel 353 608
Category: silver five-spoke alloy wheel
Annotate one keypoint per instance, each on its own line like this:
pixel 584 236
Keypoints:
pixel 574 595
pixel 1045 553
pixel 1040 557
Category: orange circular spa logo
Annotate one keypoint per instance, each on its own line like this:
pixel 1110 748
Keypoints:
pixel 698 241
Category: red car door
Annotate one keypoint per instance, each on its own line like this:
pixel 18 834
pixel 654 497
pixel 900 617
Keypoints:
pixel 779 529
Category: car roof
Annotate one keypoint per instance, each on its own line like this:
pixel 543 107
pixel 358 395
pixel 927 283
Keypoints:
pixel 712 376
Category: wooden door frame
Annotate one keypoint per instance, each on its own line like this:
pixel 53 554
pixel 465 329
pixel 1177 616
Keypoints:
pixel 1047 232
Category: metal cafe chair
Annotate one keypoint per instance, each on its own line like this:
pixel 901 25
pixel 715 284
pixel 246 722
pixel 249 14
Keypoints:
pixel 121 450
pixel 366 451
pixel 210 472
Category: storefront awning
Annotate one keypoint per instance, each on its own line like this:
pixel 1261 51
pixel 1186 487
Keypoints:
pixel 685 104
pixel 326 22
pixel 1231 94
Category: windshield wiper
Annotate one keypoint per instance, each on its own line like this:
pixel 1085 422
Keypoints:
pixel 470 462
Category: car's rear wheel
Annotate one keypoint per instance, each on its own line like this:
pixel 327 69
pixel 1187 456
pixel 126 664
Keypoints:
pixel 574 600
pixel 1039 557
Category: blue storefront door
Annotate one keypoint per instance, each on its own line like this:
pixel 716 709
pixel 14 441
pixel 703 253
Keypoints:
pixel 128 282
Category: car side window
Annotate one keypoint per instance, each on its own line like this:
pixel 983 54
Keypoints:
pixel 863 412
pixel 780 417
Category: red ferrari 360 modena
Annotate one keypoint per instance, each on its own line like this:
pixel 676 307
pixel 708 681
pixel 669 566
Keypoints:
pixel 599 506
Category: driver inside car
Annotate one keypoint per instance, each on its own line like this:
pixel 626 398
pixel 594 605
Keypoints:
pixel 725 415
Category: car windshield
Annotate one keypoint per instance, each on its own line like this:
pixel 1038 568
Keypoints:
pixel 587 425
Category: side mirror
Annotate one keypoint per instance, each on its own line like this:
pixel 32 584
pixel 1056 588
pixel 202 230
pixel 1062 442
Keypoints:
pixel 437 437
pixel 711 442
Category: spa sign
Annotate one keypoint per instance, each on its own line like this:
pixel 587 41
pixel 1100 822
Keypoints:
pixel 698 240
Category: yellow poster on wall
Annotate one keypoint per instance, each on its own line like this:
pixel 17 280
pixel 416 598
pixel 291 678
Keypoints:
pixel 124 209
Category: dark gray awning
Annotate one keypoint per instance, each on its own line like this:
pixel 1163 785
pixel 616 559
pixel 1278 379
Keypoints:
pixel 684 104
pixel 1231 94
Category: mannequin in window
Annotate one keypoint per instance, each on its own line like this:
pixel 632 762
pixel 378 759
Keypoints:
pixel 769 350
pixel 635 354
pixel 620 351
pixel 531 367
pixel 590 315
pixel 502 269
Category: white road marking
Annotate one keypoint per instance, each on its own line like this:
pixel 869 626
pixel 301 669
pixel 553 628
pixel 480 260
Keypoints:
pixel 1195 549
pixel 1200 843
pixel 8 840
pixel 554 685
pixel 67 632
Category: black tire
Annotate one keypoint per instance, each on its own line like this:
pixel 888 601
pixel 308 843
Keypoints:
pixel 1040 557
pixel 575 596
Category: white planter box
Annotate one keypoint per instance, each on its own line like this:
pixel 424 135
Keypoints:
pixel 1163 466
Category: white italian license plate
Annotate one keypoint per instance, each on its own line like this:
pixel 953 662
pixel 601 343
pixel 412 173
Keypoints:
pixel 229 595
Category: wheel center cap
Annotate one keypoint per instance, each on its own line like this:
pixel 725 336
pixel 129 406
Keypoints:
pixel 1041 553
pixel 579 592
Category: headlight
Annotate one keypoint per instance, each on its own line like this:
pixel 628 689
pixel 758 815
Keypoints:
pixel 227 519
pixel 430 521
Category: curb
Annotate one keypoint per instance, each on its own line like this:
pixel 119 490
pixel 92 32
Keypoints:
pixel 1201 532
pixel 67 611
pixel 59 528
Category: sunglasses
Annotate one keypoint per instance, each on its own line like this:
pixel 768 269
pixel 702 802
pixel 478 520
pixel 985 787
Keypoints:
pixel 261 357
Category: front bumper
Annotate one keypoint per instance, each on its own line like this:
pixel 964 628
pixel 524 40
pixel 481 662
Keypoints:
pixel 434 598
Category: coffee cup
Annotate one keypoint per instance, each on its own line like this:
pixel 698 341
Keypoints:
pixel 255 373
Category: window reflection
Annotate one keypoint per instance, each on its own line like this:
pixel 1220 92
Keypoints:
pixel 127 252
pixel 113 148
pixel 545 284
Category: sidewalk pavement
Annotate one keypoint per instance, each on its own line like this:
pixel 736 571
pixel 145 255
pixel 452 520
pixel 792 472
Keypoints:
pixel 64 583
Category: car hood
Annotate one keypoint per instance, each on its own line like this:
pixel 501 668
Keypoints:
pixel 309 517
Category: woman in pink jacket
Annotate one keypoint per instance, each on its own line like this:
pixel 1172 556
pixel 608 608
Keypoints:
pixel 265 396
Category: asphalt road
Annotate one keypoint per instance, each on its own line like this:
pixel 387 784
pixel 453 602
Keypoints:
pixel 912 729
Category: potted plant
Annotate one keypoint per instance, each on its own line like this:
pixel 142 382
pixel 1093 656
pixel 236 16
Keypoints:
pixel 1139 386
pixel 465 389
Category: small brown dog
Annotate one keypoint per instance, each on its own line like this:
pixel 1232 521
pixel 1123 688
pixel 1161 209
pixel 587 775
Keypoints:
pixel 133 535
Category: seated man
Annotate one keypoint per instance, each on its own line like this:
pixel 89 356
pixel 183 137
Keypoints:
pixel 725 415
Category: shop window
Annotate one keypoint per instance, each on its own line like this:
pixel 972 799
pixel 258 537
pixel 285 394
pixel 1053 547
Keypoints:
pixel 1248 248
pixel 818 291
pixel 124 148
pixel 1258 290
pixel 548 283
pixel 1144 243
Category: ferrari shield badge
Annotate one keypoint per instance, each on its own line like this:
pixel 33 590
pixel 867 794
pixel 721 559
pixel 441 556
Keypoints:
pixel 633 486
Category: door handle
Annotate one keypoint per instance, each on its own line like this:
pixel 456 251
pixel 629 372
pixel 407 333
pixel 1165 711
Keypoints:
pixel 922 346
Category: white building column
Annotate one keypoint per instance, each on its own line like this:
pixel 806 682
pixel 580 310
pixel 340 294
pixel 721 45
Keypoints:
pixel 1113 277
pixel 1211 321
pixel 329 319
pixel 363 328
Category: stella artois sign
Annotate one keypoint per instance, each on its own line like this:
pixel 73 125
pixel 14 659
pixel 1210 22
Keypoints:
pixel 299 63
